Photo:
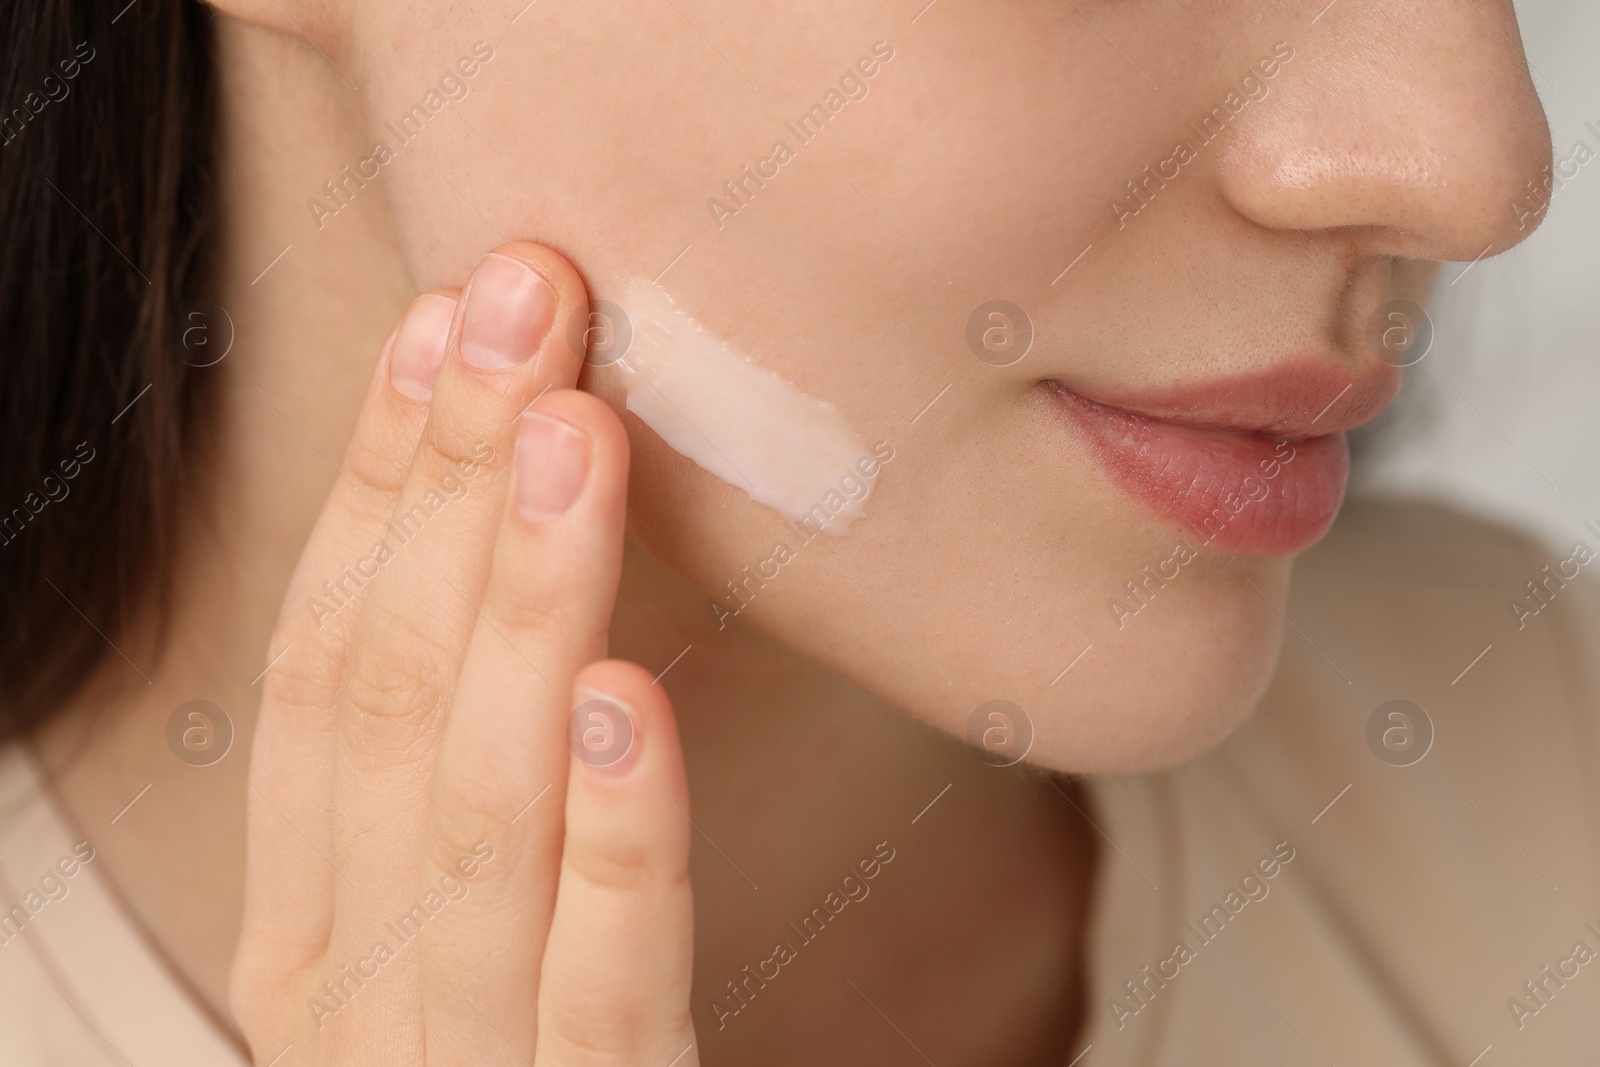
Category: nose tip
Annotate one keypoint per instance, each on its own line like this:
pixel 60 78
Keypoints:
pixel 1415 124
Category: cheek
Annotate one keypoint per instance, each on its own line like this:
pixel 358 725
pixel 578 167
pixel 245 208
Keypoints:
pixel 989 549
pixel 737 421
pixel 971 581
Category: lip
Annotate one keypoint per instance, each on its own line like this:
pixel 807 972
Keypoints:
pixel 1252 465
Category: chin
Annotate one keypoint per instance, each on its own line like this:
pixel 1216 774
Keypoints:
pixel 1159 695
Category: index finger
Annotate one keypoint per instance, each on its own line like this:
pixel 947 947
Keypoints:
pixel 289 830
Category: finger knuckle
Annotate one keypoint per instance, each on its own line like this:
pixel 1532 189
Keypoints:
pixel 613 864
pixel 305 677
pixel 458 448
pixel 590 1029
pixel 394 691
pixel 595 1029
pixel 463 821
pixel 378 472
pixel 525 607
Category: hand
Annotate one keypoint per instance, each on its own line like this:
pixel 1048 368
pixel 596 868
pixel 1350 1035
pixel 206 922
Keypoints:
pixel 435 874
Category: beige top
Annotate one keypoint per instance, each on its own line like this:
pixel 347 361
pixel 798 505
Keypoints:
pixel 79 984
pixel 1419 899
pixel 1331 907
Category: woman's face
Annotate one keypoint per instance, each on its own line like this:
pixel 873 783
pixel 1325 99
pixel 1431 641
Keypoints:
pixel 1195 208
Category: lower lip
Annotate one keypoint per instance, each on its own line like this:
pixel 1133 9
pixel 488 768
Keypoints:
pixel 1242 493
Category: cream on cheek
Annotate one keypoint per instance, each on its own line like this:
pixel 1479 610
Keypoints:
pixel 744 424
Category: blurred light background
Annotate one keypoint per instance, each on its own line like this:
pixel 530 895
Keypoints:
pixel 1503 415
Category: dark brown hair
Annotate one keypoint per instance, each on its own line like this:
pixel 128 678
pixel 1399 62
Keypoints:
pixel 106 113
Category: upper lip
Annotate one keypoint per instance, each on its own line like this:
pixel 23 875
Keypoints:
pixel 1302 398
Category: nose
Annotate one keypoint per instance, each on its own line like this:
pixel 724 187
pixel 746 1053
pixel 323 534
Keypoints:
pixel 1411 125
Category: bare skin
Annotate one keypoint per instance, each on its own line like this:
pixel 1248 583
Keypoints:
pixel 973 936
pixel 799 777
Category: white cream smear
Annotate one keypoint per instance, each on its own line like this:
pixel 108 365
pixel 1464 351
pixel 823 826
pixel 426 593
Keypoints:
pixel 749 427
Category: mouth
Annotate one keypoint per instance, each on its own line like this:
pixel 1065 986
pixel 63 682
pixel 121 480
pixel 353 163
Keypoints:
pixel 1254 465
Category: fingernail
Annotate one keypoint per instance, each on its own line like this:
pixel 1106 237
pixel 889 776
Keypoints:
pixel 419 345
pixel 509 311
pixel 552 466
pixel 602 732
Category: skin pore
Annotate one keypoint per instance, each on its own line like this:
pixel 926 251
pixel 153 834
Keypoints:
pixel 996 140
